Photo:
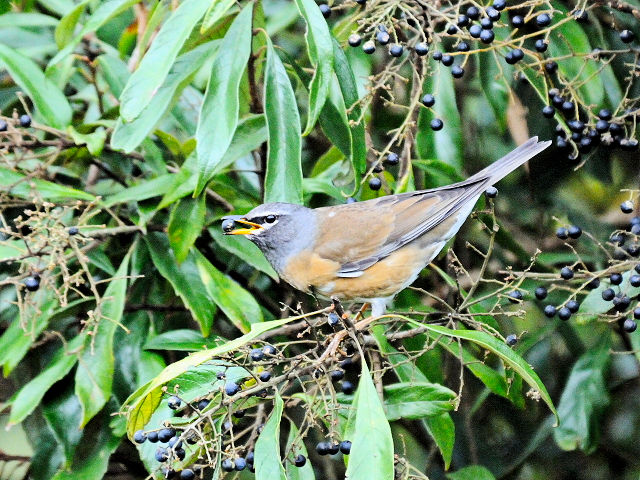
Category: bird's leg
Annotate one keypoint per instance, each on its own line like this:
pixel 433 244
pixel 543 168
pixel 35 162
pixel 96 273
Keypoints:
pixel 360 313
pixel 378 307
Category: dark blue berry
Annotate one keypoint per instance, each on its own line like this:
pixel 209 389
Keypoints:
pixel 265 376
pixel 174 402
pixel 348 388
pixel 257 354
pixel 627 36
pixel 396 50
pixel 3 126
pixel 487 36
pixel 543 20
pixel 573 306
pixel 152 437
pixel 511 340
pixel 231 388
pixel 491 192
pixel 139 436
pixel 300 460
pixel 551 67
pixel 336 375
pixel 162 454
pixel 562 233
pixel 447 60
pixel 428 100
pixel 564 313
pixel 515 296
pixel 166 434
pixel 345 447
pixel 548 111
pixel 574 231
pixel 73 230
pixel 541 45
pixel 626 207
pixel 566 273
pixel 517 21
pixel 473 13
pixel 463 47
pixel 634 280
pixel 202 404
pixel 550 311
pixel 436 124
pixel 457 71
pixel 383 37
pixel 325 9
pixel 25 121
pixel 636 313
pixel 32 283
pixel 437 56
pixel 368 47
pixel 187 474
pixel 323 448
pixel 493 14
pixel 608 294
pixel 240 464
pixel 475 31
pixel 486 23
pixel 227 465
pixel 541 293
pixel 355 40
pixel 499 4
pixel 375 183
pixel 629 325
pixel 421 49
pixel 615 279
pixel 269 350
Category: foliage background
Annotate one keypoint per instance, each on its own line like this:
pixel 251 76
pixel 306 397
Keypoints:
pixel 150 277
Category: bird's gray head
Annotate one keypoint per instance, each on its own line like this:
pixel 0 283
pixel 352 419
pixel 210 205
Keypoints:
pixel 278 229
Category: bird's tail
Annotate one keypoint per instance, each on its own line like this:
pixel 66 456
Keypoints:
pixel 512 160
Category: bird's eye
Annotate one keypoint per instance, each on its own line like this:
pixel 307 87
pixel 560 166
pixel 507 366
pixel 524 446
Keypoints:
pixel 270 218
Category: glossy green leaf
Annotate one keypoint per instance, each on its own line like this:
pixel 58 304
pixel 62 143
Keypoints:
pixel 320 48
pixel 566 40
pixel 217 10
pixel 584 400
pixel 103 13
pixel 27 19
pixel 221 105
pixel 51 105
pixel 283 179
pixel 446 144
pixel 65 28
pixel 349 89
pixel 91 458
pixel 128 135
pixel 144 190
pixel 494 78
pixel 94 375
pixel 142 403
pixel 267 452
pixel 156 63
pixel 473 472
pixel 417 400
pixel 440 427
pixel 17 339
pixel 30 396
pixel 234 301
pixel 19 185
pixel 511 358
pixel 94 141
pixel 184 340
pixel 185 224
pixel 62 412
pixel 297 473
pixel 246 251
pixel 185 279
pixel 372 450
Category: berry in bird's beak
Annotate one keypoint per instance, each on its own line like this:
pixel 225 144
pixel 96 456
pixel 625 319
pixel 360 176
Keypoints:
pixel 228 225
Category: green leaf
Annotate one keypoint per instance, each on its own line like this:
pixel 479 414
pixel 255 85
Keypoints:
pixel 91 458
pixel 30 396
pixel 185 224
pixel 372 450
pixel 94 141
pixel 446 144
pixel 221 105
pixel 236 303
pixel 155 65
pixel 216 11
pixel 181 340
pixel 494 78
pixel 27 19
pixel 349 89
pixel 19 185
pixel 64 31
pixel 564 41
pixel 115 73
pixel 584 400
pixel 185 279
pixel 105 12
pixel 473 472
pixel 441 427
pixel 246 251
pixel 144 190
pixel 511 358
pixel 443 431
pixel 283 179
pixel 51 105
pixel 320 48
pixel 16 340
pixel 142 403
pixel 267 452
pixel 94 375
pixel 128 135
pixel 297 473
pixel 417 400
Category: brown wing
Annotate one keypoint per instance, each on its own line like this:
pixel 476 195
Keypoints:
pixel 376 228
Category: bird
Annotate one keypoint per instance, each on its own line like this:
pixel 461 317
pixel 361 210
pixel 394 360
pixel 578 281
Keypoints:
pixel 368 251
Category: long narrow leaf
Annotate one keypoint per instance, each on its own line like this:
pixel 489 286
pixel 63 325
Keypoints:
pixel 221 105
pixel 157 62
pixel 283 180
